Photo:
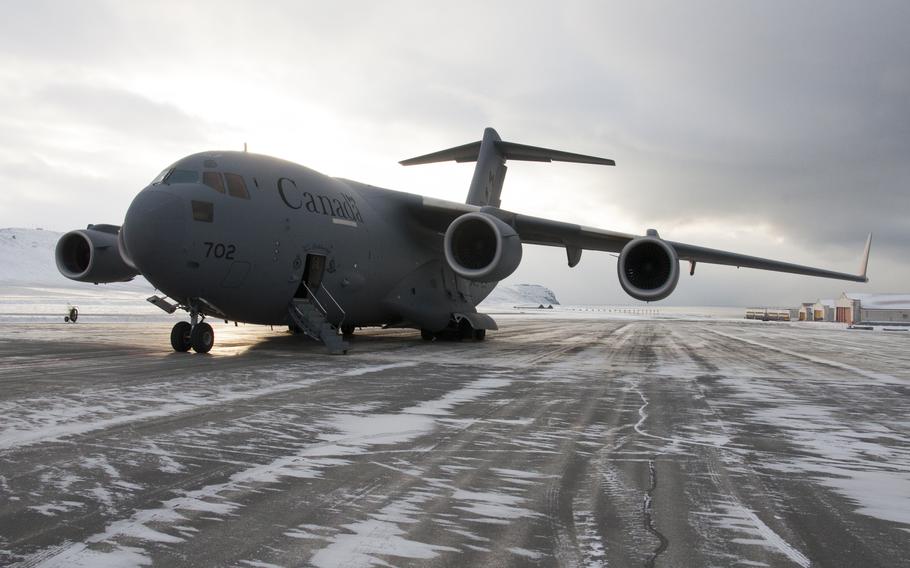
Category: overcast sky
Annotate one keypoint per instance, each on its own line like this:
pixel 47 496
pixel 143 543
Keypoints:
pixel 775 129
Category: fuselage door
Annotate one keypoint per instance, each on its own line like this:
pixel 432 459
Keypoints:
pixel 313 271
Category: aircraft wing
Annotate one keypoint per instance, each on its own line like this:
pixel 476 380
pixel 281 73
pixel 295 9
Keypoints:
pixel 575 238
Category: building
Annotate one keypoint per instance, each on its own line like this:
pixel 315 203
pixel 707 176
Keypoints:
pixel 824 310
pixel 807 311
pixel 873 308
pixel 769 314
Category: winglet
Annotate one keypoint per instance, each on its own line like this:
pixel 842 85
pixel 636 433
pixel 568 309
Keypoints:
pixel 865 262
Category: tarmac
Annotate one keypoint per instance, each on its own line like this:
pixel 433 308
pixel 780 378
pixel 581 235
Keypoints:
pixel 556 442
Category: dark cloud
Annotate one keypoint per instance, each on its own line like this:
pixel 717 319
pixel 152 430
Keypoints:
pixel 792 117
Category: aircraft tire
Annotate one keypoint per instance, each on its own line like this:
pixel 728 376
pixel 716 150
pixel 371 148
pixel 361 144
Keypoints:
pixel 180 336
pixel 347 330
pixel 480 334
pixel 202 338
pixel 427 335
pixel 464 331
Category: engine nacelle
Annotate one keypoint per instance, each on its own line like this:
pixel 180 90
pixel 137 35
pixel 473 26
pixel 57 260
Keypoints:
pixel 481 247
pixel 648 268
pixel 93 255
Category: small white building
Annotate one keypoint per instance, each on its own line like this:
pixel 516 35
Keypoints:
pixel 807 311
pixel 873 308
pixel 824 310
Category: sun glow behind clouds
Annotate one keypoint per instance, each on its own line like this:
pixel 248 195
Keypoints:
pixel 713 123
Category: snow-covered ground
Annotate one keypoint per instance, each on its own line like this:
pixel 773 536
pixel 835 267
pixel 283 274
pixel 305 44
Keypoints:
pixel 588 442
pixel 33 290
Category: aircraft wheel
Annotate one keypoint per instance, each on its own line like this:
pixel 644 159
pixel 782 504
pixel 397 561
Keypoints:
pixel 202 338
pixel 427 335
pixel 465 331
pixel 480 334
pixel 180 336
pixel 347 329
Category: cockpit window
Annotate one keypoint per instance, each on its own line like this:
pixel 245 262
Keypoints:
pixel 213 180
pixel 160 177
pixel 182 176
pixel 236 186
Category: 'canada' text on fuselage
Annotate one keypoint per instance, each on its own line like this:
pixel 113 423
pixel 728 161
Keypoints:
pixel 320 204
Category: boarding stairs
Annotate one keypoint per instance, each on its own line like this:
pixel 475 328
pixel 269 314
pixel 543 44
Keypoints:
pixel 310 316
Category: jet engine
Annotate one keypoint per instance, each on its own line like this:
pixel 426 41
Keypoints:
pixel 481 247
pixel 648 268
pixel 93 255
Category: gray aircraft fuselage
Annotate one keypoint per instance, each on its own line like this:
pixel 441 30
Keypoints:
pixel 246 256
pixel 256 239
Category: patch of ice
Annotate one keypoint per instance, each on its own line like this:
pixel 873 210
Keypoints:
pixel 512 421
pixel 468 534
pixel 740 519
pixel 305 535
pixel 355 431
pixel 878 378
pixel 377 368
pixel 259 564
pixel 67 419
pixel 81 556
pixel 471 392
pixel 522 474
pixel 487 497
pixel 51 509
pixel 492 507
pixel 369 539
pixel 525 552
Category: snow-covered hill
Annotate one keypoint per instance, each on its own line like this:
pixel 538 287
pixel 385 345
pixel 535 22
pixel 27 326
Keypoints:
pixel 27 259
pixel 521 295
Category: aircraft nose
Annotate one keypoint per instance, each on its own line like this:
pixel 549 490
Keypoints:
pixel 154 233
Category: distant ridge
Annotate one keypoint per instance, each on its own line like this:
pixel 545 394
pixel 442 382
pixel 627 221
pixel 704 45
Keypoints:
pixel 521 295
pixel 27 259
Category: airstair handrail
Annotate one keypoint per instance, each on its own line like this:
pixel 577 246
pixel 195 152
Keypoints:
pixel 315 299
pixel 334 301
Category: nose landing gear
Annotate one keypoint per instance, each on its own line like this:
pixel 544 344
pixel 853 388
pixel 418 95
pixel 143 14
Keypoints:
pixel 198 335
pixel 180 336
pixel 202 337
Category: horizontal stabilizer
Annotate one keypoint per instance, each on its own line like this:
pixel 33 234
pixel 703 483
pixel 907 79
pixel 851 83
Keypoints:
pixel 491 154
pixel 466 153
pixel 509 151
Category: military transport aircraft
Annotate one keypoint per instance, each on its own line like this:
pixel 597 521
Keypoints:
pixel 251 238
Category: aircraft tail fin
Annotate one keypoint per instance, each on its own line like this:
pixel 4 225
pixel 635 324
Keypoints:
pixel 491 154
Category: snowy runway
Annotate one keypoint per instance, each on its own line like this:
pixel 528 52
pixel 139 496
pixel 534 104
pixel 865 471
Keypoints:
pixel 582 442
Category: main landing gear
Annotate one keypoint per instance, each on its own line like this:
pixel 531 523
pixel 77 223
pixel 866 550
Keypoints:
pixel 463 331
pixel 198 335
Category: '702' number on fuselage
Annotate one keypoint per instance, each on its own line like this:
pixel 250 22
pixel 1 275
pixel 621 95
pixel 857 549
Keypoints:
pixel 220 250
